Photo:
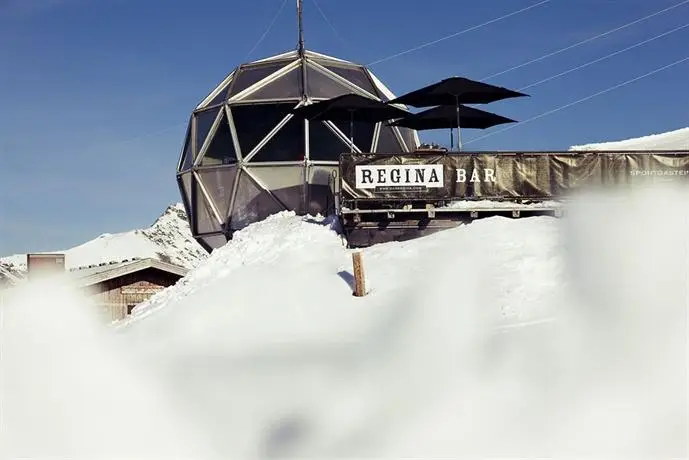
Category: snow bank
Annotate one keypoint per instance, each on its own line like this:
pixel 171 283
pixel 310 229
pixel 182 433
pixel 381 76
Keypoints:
pixel 68 389
pixel 672 140
pixel 276 242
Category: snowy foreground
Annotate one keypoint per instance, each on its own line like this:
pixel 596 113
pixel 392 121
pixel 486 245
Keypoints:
pixel 502 338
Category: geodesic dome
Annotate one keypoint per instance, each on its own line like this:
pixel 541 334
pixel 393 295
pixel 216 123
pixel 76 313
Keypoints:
pixel 246 157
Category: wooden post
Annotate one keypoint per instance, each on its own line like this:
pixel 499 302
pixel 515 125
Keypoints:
pixel 359 281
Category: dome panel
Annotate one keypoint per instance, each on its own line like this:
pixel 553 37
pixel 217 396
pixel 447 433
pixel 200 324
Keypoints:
pixel 184 182
pixel 409 137
pixel 213 241
pixel 320 196
pixel 324 144
pixel 355 75
pixel 251 203
pixel 204 217
pixel 288 86
pixel 219 93
pixel 286 183
pixel 363 133
pixel 321 174
pixel 219 183
pixel 387 141
pixel 220 150
pixel 187 154
pixel 204 122
pixel 249 152
pixel 288 144
pixel 253 122
pixel 221 96
pixel 319 85
pixel 251 74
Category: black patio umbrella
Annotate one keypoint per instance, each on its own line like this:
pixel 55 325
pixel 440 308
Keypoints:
pixel 455 91
pixel 448 117
pixel 343 108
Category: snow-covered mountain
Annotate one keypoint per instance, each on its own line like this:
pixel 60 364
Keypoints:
pixel 671 140
pixel 168 239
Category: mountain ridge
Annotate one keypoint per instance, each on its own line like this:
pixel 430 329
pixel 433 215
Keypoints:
pixel 168 239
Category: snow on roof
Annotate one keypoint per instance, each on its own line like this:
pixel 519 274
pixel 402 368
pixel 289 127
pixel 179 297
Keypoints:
pixel 94 274
pixel 672 140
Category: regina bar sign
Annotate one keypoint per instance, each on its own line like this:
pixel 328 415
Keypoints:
pixel 500 175
pixel 392 177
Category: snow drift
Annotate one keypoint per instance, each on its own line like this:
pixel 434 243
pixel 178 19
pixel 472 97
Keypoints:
pixel 69 390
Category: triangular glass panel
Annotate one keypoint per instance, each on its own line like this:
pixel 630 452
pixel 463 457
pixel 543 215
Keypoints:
pixel 324 144
pixel 219 183
pixel 321 174
pixel 288 144
pixel 382 91
pixel 221 150
pixel 387 141
pixel 363 133
pixel 251 204
pixel 321 198
pixel 214 241
pixel 355 75
pixel 319 85
pixel 247 76
pixel 287 86
pixel 184 181
pixel 254 121
pixel 220 97
pixel 286 183
pixel 187 154
pixel 203 215
pixel 204 122
pixel 409 138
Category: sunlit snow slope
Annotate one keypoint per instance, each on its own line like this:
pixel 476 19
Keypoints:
pixel 672 140
pixel 484 340
pixel 168 239
pixel 502 338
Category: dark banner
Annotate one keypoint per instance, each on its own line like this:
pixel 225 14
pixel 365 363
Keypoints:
pixel 540 175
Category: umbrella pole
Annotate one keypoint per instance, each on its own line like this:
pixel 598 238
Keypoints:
pixel 351 131
pixel 452 139
pixel 459 137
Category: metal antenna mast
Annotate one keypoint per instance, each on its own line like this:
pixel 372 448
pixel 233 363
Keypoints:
pixel 300 46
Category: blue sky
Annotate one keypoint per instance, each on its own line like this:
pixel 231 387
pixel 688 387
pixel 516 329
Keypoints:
pixel 95 94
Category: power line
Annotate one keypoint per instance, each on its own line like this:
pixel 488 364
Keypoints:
pixel 265 33
pixel 590 39
pixel 532 61
pixel 607 56
pixel 330 24
pixel 584 99
pixel 461 32
pixel 270 26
